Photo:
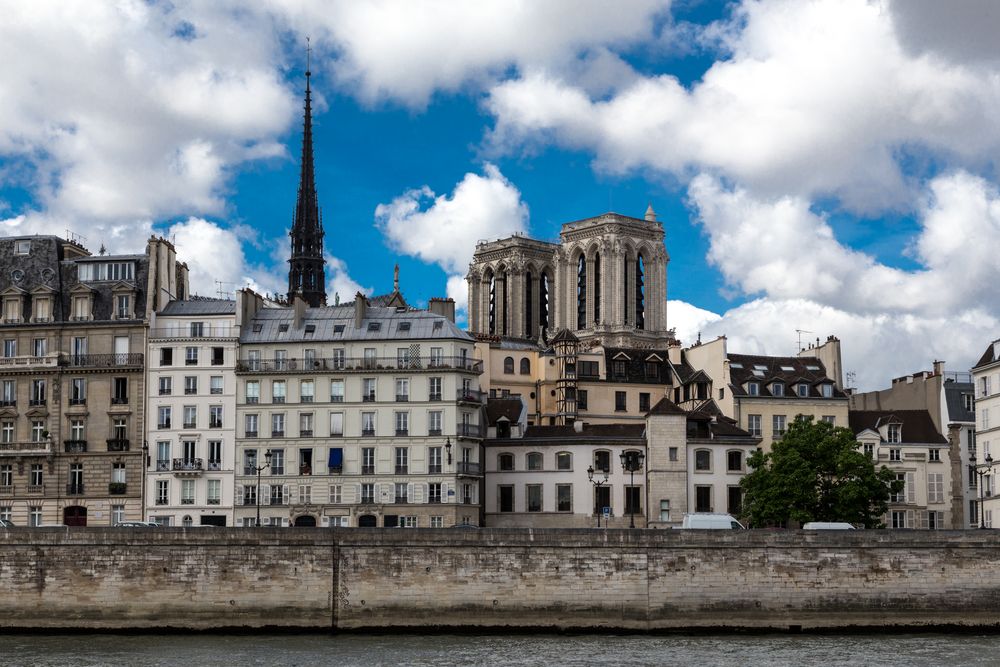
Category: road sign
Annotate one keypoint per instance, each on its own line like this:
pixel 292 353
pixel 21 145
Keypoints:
pixel 607 512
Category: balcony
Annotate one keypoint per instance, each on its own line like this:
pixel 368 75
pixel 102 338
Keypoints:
pixel 467 468
pixel 468 431
pixel 368 398
pixel 206 331
pixel 75 489
pixel 103 360
pixel 400 432
pixel 402 470
pixel 434 500
pixel 214 465
pixel 251 434
pixel 36 489
pixel 402 398
pixel 215 423
pixel 29 362
pixel 117 488
pixel 433 431
pixel 277 501
pixel 7 490
pixel 471 396
pixel 36 402
pixel 191 466
pixel 162 465
pixel 75 446
pixel 25 448
pixel 359 365
pixel 368 432
pixel 436 396
pixel 305 433
pixel 119 400
pixel 367 470
pixel 434 469
pixel 118 444
pixel 163 425
pixel 336 470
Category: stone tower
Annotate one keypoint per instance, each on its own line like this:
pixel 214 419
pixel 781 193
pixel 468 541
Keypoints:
pixel 306 273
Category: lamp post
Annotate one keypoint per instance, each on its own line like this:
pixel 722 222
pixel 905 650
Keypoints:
pixel 631 462
pixel 142 480
pixel 260 469
pixel 982 471
pixel 447 449
pixel 598 483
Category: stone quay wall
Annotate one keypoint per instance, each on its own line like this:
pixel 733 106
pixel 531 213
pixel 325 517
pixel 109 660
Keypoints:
pixel 376 579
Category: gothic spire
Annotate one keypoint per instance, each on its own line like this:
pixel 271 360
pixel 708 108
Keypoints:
pixel 306 275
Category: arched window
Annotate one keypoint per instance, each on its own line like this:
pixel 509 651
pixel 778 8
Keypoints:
pixel 625 290
pixel 564 461
pixel 528 333
pixel 597 288
pixel 534 461
pixel 703 460
pixel 640 296
pixel 508 365
pixel 504 277
pixel 602 460
pixel 581 293
pixel 543 305
pixel 525 366
pixel 491 280
pixel 505 462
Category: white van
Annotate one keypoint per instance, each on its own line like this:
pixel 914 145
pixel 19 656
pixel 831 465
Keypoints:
pixel 827 525
pixel 706 520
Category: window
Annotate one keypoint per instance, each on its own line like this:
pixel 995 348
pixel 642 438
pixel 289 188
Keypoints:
pixel 434 388
pixel 672 453
pixel 278 425
pixel 505 497
pixel 869 450
pixel 778 426
pixel 190 416
pixel 602 461
pixel 10 348
pixel 214 492
pixel 434 492
pixel 78 391
pixel 777 389
pixel 368 390
pixel 829 419
pixel 123 306
pixel 620 401
pixel 984 386
pixel 534 497
pixel 643 402
pixel 401 495
pixel 22 247
pixel 305 424
pixel 703 499
pixel 434 460
pixel 336 494
pixel 338 359
pixel 215 385
pixel 37 430
pixel 564 497
pixel 367 460
pixel 278 391
pixel 899 496
pixel 166 385
pixel 734 461
pixel 253 360
pixel 581 399
pixel 827 390
pixel 633 500
pixel 6 475
pixel 754 425
pixel 162 491
pixel 336 391
pixel 402 420
pixel 402 390
pixel 525 366
pixel 934 455
pixel 935 487
pixel 895 454
pixel 277 461
pixel 35 475
pixel 37 392
pixel 508 365
pixel 893 433
pixel 505 462
pixel 802 390
pixel 214 454
pixel 166 356
pixel 336 424
pixel 734 500
pixel 190 385
pixel 305 460
pixel 39 347
pixel 702 460
pixel 190 356
pixel 753 389
pixel 34 516
pixel 281 360
pixel 898 519
pixel 7 431
pixel 119 428
pixel 250 425
pixel 215 416
pixel 652 370
pixel 187 492
pixel 533 461
pixel 434 422
pixel 307 390
pixel 564 461
pixel 218 356
pixel 368 423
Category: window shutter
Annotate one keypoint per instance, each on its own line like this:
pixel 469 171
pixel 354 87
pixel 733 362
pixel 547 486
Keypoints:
pixel 909 518
pixel 265 494
pixel 418 493
pixel 284 493
pixel 924 524
pixel 444 492
pixel 239 495
pixel 911 494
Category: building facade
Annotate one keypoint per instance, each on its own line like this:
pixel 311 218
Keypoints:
pixel 191 404
pixel 986 379
pixel 73 377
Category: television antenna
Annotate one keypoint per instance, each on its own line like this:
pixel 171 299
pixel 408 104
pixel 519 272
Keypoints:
pixel 223 293
pixel 800 332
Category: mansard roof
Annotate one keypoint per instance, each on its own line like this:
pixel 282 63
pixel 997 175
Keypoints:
pixel 200 306
pixel 765 370
pixel 336 324
pixel 917 425
pixel 991 355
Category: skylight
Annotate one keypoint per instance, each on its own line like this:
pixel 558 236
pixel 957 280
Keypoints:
pixel 282 328
pixel 338 328
pixel 374 326
pixel 736 365
pixel 787 368
pixel 759 367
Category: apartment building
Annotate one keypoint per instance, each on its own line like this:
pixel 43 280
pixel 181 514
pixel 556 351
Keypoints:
pixel 908 443
pixel 362 414
pixel 986 379
pixel 191 403
pixel 72 377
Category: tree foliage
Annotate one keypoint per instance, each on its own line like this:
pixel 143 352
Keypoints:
pixel 816 473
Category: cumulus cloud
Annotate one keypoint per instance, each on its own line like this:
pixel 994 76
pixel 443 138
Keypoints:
pixel 444 229
pixel 815 98
pixel 406 51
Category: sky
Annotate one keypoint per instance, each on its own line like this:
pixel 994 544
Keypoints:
pixel 824 166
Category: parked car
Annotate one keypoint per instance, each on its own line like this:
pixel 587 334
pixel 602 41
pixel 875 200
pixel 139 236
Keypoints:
pixel 710 521
pixel 137 524
pixel 827 525
pixel 6 523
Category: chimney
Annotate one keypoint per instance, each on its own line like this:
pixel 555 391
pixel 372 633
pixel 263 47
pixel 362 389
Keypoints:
pixel 360 309
pixel 298 310
pixel 443 307
pixel 938 367
pixel 578 426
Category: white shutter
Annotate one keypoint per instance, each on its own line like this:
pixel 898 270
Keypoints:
pixel 285 494
pixel 924 524
pixel 409 493
pixel 911 494
pixel 265 495
pixel 239 495
pixel 910 518
pixel 418 493
pixel 444 492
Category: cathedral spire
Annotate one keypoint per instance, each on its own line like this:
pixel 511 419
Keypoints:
pixel 306 274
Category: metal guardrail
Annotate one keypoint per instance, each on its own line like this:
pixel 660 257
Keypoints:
pixel 359 365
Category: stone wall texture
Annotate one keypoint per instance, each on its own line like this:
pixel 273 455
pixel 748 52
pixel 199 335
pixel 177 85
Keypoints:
pixel 361 579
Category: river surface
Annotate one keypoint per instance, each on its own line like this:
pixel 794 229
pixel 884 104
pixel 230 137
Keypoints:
pixel 772 650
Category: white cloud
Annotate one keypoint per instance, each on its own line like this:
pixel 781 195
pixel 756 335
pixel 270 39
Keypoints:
pixel 339 282
pixel 688 320
pixel 406 51
pixel 816 98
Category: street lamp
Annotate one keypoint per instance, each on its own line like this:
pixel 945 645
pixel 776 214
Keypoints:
pixel 982 471
pixel 260 469
pixel 632 461
pixel 598 483
pixel 447 449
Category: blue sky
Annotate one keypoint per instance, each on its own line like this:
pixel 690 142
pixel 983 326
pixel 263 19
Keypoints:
pixel 817 165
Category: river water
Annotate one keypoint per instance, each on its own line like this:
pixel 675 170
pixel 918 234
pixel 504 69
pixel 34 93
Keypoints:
pixel 772 650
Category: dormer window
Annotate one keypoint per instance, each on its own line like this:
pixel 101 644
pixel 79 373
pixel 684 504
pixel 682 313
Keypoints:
pixel 12 309
pixel 777 389
pixel 22 247
pixel 41 305
pixel 753 388
pixel 803 390
pixel 827 390
pixel 123 300
pixel 894 433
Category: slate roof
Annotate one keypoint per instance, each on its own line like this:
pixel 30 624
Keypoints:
pixel 956 404
pixel 917 425
pixel 989 356
pixel 666 407
pixel 200 306
pixel 266 325
pixel 590 431
pixel 510 408
pixel 790 370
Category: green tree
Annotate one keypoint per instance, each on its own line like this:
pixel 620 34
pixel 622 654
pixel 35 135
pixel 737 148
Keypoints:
pixel 816 473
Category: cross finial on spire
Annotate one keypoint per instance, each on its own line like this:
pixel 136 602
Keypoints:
pixel 308 57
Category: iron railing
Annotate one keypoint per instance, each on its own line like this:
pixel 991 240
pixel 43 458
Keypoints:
pixel 359 364
pixel 467 468
pixel 75 446
pixel 103 360
pixel 118 444
pixel 188 465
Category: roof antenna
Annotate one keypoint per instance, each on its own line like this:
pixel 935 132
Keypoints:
pixel 800 332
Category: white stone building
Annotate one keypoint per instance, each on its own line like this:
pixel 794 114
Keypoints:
pixel 986 378
pixel 191 403
pixel 364 414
